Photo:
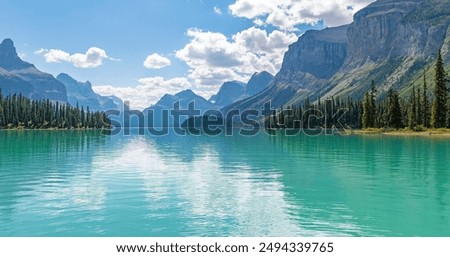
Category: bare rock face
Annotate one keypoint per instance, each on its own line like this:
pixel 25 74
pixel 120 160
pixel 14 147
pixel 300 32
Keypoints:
pixel 390 42
pixel 320 53
pixel 394 29
pixel 314 58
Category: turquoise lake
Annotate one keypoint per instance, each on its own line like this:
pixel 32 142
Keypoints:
pixel 83 183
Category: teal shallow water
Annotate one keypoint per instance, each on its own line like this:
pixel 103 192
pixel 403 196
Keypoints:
pixel 78 183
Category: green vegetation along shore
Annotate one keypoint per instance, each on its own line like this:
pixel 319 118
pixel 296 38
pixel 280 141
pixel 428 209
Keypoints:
pixel 19 112
pixel 426 111
pixel 401 132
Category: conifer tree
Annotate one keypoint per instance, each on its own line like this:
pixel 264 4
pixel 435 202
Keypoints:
pixel 425 104
pixel 394 110
pixel 412 112
pixel 419 108
pixel 373 114
pixel 366 118
pixel 439 109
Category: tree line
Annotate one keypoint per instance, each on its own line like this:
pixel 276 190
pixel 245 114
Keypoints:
pixel 18 111
pixel 419 112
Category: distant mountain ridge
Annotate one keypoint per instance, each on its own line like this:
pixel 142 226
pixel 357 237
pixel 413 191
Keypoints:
pixel 20 77
pixel 228 93
pixel 258 82
pixel 81 94
pixel 390 42
pixel 234 91
pixel 182 100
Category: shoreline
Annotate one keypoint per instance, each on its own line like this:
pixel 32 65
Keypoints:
pixel 348 132
pixel 402 132
pixel 51 129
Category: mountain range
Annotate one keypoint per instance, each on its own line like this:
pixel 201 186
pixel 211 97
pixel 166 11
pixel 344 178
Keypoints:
pixel 229 93
pixel 20 77
pixel 17 76
pixel 393 43
pixel 81 94
pixel 233 91
pixel 390 42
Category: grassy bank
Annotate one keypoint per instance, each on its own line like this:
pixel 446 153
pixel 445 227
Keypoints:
pixel 401 132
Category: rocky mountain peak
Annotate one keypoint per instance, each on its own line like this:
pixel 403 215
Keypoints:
pixel 228 93
pixel 9 60
pixel 63 77
pixel 258 82
pixel 186 94
pixel 7 44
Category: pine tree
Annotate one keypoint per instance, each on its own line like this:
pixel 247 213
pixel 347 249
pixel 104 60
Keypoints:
pixel 366 118
pixel 419 107
pixel 425 103
pixel 373 110
pixel 412 112
pixel 19 111
pixel 370 108
pixel 439 109
pixel 448 115
pixel 394 110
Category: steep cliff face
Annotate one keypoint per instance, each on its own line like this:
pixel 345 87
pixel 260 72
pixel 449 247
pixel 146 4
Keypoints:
pixel 378 32
pixel 320 53
pixel 390 42
pixel 17 76
pixel 307 65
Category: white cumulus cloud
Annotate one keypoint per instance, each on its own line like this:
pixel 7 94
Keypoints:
pixel 55 56
pixel 156 61
pixel 147 92
pixel 287 14
pixel 213 58
pixel 93 57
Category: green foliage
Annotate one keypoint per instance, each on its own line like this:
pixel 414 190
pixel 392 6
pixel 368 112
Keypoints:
pixel 370 108
pixel 412 111
pixel 17 111
pixel 395 119
pixel 310 116
pixel 439 108
pixel 425 103
pixel 391 113
pixel 366 112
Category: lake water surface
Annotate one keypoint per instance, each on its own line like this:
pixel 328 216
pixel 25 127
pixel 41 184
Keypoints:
pixel 83 183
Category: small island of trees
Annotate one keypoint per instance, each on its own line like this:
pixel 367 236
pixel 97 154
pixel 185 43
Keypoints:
pixel 19 112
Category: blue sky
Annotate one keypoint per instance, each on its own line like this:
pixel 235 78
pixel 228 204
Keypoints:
pixel 196 44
